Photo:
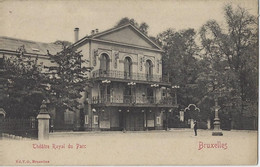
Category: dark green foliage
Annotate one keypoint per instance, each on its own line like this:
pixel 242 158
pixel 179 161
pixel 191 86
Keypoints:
pixel 180 63
pixel 66 79
pixel 22 83
pixel 233 55
pixel 226 66
pixel 143 27
pixel 26 83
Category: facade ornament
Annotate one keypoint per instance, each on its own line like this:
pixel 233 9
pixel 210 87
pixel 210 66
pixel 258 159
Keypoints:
pixel 21 50
pixel 141 63
pixel 95 57
pixel 158 65
pixel 116 57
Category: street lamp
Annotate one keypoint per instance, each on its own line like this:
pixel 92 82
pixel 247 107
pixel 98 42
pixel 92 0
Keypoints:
pixel 216 108
pixel 131 83
pixel 106 81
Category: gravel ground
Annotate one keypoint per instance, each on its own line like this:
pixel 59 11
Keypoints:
pixel 174 147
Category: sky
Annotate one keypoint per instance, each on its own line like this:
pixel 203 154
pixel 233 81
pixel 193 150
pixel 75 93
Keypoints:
pixel 51 20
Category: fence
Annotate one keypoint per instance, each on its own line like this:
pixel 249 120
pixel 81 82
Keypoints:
pixel 20 127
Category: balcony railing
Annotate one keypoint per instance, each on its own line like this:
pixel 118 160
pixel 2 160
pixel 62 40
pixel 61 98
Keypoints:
pixel 130 99
pixel 128 76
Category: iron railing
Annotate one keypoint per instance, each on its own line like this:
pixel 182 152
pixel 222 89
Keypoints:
pixel 130 99
pixel 128 76
pixel 20 127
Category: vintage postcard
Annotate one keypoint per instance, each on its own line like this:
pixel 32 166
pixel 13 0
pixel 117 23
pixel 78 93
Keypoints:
pixel 86 83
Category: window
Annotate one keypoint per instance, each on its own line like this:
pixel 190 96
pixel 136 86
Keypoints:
pixel 158 120
pixel 86 119
pixel 163 93
pixel 95 119
pixel 104 62
pixel 150 97
pixel 128 68
pixel 128 95
pixel 148 69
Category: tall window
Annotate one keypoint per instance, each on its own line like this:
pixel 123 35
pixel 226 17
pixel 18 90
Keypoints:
pixel 148 69
pixel 104 62
pixel 128 67
pixel 105 93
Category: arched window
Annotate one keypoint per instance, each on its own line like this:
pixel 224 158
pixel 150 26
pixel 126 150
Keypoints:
pixel 104 62
pixel 149 69
pixel 128 68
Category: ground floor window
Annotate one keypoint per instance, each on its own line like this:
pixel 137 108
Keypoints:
pixel 158 120
pixel 95 119
pixel 86 119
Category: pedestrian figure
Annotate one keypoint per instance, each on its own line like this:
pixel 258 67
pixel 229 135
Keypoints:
pixel 51 126
pixel 195 127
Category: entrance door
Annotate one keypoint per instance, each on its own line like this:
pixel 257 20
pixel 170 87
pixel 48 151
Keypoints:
pixel 134 121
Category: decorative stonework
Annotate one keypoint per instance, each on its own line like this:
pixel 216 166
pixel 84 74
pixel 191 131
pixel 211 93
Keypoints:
pixel 158 65
pixel 21 50
pixel 141 63
pixel 95 57
pixel 116 58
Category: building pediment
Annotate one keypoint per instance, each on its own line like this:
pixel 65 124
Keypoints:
pixel 128 35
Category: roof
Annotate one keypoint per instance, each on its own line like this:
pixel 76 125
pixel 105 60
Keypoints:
pixel 31 47
pixel 96 35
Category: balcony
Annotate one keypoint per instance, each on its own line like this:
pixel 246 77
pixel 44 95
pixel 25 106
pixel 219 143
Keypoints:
pixel 112 74
pixel 132 100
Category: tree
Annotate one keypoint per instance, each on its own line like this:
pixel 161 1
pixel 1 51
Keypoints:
pixel 234 48
pixel 143 27
pixel 27 83
pixel 22 79
pixel 179 61
pixel 66 79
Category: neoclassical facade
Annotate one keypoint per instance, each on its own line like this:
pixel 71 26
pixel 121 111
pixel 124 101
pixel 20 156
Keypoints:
pixel 127 90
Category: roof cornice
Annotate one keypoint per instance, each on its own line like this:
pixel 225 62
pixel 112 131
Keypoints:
pixel 25 54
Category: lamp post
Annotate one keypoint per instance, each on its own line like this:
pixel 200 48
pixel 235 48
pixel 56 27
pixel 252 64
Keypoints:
pixel 92 115
pixel 216 131
pixel 167 122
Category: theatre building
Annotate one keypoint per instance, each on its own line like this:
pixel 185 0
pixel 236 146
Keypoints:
pixel 127 90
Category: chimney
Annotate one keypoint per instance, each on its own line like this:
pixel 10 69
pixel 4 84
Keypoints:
pixel 92 32
pixel 96 30
pixel 76 32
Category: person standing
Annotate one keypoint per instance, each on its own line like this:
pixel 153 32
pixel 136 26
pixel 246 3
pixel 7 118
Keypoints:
pixel 195 127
